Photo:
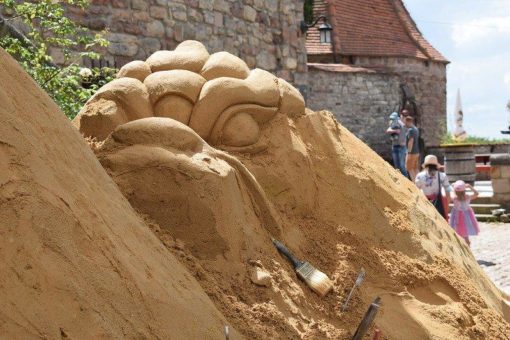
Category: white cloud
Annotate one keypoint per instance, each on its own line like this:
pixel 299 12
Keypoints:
pixel 475 30
pixel 506 79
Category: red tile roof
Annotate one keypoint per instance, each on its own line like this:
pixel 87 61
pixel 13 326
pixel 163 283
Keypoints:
pixel 342 68
pixel 370 28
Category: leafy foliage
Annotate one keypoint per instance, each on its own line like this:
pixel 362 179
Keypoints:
pixel 308 11
pixel 448 139
pixel 45 25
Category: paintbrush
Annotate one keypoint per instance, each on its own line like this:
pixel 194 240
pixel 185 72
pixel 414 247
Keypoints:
pixel 360 279
pixel 315 279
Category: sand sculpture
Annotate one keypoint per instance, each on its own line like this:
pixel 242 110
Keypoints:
pixel 216 95
pixel 207 180
pixel 289 173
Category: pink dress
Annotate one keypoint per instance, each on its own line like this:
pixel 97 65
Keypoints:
pixel 462 218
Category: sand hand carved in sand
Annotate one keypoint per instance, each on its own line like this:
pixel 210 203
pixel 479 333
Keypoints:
pixel 216 95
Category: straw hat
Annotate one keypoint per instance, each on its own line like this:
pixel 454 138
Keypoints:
pixel 431 160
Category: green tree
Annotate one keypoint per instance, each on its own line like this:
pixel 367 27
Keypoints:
pixel 30 28
pixel 308 11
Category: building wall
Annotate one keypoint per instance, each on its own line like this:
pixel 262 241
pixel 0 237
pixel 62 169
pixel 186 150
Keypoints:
pixel 362 101
pixel 264 33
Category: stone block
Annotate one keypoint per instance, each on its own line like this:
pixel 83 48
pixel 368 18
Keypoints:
pixel 272 5
pixel 205 4
pixel 209 17
pixel 141 16
pixel 119 4
pixel 140 5
pixel 258 4
pixel 178 12
pixel 158 12
pixel 495 172
pixel 154 28
pixel 122 44
pixel 291 63
pixel 501 186
pixel 195 15
pixel 150 45
pixel 189 31
pixel 249 13
pixel 218 19
pixel 179 33
pixel 505 171
pixel 221 5
pixel 97 23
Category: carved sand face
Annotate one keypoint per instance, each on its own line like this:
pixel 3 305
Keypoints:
pixel 216 95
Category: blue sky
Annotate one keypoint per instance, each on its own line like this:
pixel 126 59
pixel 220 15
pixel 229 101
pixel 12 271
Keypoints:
pixel 475 36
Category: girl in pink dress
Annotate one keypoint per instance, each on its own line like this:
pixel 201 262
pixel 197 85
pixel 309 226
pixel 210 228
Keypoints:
pixel 462 217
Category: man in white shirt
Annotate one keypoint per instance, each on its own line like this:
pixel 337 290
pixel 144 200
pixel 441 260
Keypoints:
pixel 430 181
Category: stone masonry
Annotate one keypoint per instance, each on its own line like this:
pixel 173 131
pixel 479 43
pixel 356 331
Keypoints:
pixel 500 176
pixel 360 100
pixel 364 94
pixel 264 33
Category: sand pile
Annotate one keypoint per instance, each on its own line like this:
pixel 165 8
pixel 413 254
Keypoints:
pixel 220 158
pixel 75 260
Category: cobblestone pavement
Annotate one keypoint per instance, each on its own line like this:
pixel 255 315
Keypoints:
pixel 492 245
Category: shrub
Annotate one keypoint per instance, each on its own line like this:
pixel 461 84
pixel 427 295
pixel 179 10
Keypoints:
pixel 28 32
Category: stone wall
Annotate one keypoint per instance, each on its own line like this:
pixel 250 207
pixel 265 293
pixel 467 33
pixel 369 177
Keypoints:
pixel 500 176
pixel 264 33
pixel 362 100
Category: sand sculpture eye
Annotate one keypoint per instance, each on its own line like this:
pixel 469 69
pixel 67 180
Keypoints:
pixel 216 95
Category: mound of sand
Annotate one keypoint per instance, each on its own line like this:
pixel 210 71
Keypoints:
pixel 75 260
pixel 306 180
pixel 333 201
pixel 215 168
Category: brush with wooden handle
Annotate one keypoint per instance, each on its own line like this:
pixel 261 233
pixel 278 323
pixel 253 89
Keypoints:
pixel 315 279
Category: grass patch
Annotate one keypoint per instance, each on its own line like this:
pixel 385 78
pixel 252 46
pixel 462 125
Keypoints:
pixel 449 140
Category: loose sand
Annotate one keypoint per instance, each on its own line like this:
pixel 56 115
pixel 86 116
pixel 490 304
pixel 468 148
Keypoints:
pixel 75 260
pixel 81 263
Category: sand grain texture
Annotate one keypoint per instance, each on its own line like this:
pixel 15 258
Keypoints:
pixel 241 162
pixel 75 260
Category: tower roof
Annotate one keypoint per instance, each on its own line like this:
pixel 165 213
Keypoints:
pixel 379 28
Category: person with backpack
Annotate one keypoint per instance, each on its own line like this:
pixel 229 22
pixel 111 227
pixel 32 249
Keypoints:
pixel 397 132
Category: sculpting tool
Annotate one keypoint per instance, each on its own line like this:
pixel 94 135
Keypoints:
pixel 359 280
pixel 367 319
pixel 227 332
pixel 314 278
